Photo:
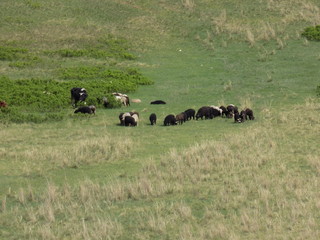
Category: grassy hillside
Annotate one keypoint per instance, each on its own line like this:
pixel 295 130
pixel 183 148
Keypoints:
pixel 86 177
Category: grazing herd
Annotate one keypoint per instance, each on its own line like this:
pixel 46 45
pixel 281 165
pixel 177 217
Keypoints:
pixel 132 118
pixel 205 112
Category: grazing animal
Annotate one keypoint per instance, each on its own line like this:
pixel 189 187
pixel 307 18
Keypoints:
pixel 153 119
pixel 205 111
pixel 237 117
pixel 122 116
pixel 231 109
pixel 3 104
pixel 170 120
pixel 181 118
pixel 78 95
pixel 243 116
pixel 158 102
pixel 136 117
pixel 123 98
pixel 105 102
pixel 248 114
pixel 216 111
pixel 190 113
pixel 130 121
pixel 224 111
pixel 86 109
pixel 131 113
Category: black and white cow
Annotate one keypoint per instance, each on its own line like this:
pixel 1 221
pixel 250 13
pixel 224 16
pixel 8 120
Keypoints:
pixel 78 95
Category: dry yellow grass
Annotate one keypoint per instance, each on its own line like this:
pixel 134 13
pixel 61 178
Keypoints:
pixel 41 157
pixel 255 185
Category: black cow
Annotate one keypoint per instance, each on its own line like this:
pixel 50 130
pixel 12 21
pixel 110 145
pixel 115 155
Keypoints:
pixel 153 118
pixel 158 102
pixel 130 121
pixel 190 113
pixel 170 120
pixel 78 95
pixel 86 109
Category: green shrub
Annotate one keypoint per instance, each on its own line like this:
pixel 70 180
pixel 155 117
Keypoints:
pixel 51 95
pixel 312 33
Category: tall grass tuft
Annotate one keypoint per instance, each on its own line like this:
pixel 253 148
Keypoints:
pixel 189 4
pixel 250 37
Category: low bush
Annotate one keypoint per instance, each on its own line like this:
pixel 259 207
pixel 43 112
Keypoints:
pixel 312 33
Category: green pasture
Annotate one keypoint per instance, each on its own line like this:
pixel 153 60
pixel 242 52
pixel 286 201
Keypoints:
pixel 85 177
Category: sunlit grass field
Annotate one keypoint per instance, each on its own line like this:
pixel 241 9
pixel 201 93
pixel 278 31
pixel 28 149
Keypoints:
pixel 86 177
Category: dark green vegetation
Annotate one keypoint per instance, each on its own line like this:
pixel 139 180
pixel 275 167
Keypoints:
pixel 30 100
pixel 312 33
pixel 85 177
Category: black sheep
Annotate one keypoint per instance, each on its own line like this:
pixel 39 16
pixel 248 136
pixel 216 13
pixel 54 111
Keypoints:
pixel 181 117
pixel 237 117
pixel 86 109
pixel 190 113
pixel 170 120
pixel 231 110
pixel 153 118
pixel 158 102
pixel 249 114
pixel 130 121
pixel 224 111
pixel 205 111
